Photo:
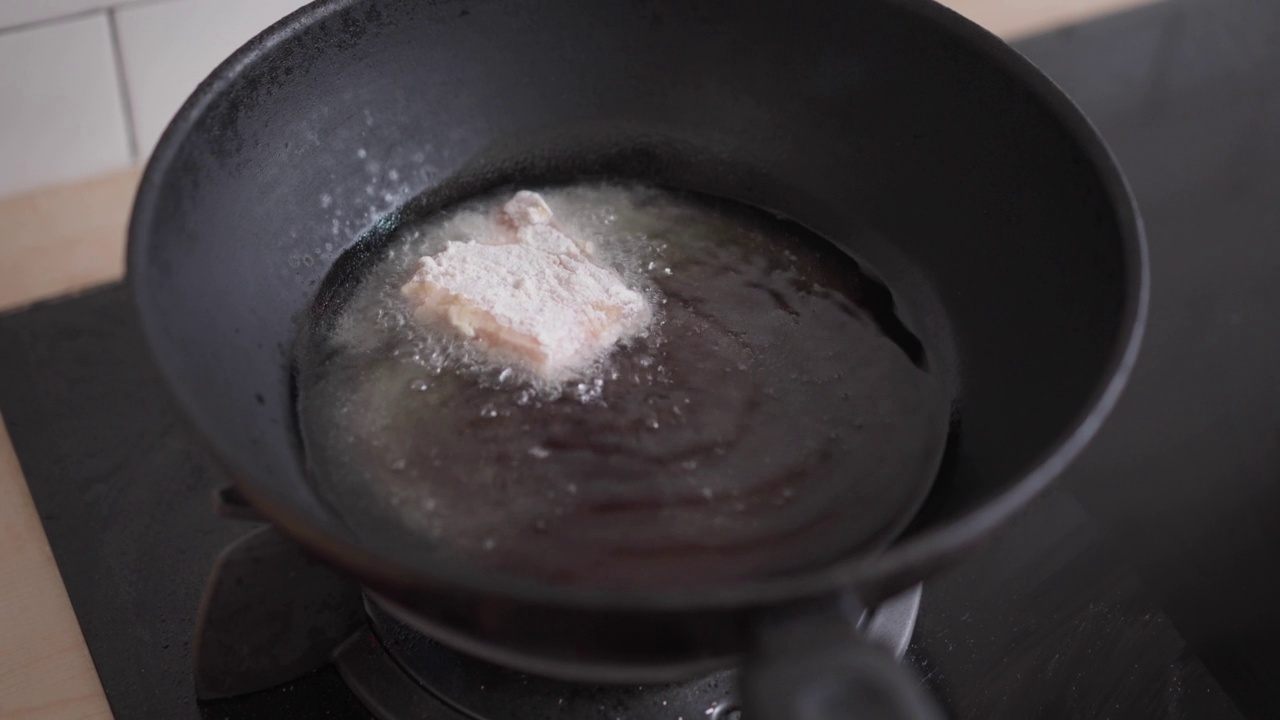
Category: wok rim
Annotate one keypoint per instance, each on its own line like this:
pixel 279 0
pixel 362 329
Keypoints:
pixel 895 568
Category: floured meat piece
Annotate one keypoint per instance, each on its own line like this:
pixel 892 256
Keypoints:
pixel 528 292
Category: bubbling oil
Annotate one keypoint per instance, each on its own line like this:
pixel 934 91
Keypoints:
pixel 774 417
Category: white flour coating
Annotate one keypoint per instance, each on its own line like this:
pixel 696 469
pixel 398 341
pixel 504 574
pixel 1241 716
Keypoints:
pixel 527 291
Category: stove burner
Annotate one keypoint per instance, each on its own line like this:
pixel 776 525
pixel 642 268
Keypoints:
pixel 272 613
pixel 390 667
pixel 485 690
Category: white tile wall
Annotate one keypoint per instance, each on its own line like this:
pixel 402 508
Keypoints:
pixel 83 83
pixel 21 12
pixel 169 47
pixel 61 113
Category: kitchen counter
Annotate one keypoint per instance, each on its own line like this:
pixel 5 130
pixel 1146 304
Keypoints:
pixel 67 239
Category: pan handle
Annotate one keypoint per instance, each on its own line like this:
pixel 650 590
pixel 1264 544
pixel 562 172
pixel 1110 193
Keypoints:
pixel 814 663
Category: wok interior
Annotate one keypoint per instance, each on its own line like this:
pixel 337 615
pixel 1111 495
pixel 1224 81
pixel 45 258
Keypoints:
pixel 776 417
pixel 994 230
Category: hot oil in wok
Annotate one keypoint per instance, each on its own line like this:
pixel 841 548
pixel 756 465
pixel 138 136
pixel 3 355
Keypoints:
pixel 775 416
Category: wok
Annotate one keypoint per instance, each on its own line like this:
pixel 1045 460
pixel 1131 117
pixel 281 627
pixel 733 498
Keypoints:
pixel 981 197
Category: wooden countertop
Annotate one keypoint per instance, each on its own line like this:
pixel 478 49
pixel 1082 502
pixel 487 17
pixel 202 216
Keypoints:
pixel 65 239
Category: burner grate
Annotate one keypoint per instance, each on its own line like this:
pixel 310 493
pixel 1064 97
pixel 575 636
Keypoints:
pixel 272 614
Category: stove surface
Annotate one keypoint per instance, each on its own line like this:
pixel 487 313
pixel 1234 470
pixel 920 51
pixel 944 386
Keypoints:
pixel 1046 621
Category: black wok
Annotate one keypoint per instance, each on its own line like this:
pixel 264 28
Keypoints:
pixel 997 216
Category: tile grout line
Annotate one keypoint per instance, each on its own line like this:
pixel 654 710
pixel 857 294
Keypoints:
pixel 48 22
pixel 74 15
pixel 122 83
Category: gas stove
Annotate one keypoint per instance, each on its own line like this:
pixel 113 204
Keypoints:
pixel 188 614
pixel 271 615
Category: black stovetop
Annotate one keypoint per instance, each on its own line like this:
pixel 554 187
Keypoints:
pixel 1049 620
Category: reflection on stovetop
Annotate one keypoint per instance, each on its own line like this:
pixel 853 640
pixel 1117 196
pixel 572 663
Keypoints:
pixel 1046 621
